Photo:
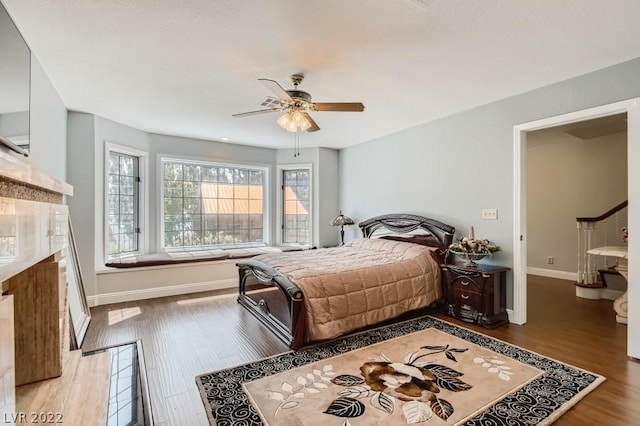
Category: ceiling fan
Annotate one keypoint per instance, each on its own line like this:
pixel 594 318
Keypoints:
pixel 295 103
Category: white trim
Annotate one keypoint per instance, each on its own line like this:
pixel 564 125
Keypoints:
pixel 551 273
pixel 150 293
pixel 510 314
pixel 519 227
pixel 633 190
pixel 632 108
pixel 143 196
pixel 279 201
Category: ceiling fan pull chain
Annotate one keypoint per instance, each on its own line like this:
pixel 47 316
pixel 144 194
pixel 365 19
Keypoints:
pixel 295 144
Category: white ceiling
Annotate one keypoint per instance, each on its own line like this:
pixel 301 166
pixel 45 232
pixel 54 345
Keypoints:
pixel 183 67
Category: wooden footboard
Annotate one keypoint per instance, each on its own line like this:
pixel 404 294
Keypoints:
pixel 274 300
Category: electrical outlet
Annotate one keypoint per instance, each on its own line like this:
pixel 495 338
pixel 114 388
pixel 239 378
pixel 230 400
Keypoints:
pixel 550 260
pixel 490 214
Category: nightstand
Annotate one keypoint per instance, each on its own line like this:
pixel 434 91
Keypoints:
pixel 476 294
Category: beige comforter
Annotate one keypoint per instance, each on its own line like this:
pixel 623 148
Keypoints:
pixel 361 283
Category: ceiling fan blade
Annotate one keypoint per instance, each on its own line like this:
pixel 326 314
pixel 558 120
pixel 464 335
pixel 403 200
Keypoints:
pixel 260 111
pixel 275 88
pixel 314 126
pixel 338 106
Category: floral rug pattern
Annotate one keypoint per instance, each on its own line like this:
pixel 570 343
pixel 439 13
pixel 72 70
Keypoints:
pixel 419 386
pixel 386 383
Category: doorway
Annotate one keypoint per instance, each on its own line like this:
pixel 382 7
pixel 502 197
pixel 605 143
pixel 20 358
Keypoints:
pixel 632 109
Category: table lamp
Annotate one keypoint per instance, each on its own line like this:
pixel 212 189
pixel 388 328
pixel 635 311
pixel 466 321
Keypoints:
pixel 342 220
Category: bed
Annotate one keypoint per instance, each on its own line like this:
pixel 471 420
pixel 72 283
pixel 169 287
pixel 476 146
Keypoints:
pixel 320 294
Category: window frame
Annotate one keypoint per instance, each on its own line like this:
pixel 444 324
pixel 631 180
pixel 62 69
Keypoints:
pixel 280 203
pixel 163 158
pixel 142 199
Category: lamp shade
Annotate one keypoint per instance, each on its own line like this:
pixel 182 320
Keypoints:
pixel 342 220
pixel 293 120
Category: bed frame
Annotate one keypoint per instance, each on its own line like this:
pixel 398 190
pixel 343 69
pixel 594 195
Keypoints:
pixel 278 302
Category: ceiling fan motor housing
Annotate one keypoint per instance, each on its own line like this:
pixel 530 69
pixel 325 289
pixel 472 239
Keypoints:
pixel 300 95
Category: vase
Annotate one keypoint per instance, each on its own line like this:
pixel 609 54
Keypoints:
pixel 470 258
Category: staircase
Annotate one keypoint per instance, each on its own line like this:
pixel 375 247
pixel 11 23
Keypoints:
pixel 593 232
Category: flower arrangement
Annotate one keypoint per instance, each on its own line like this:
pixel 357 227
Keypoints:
pixel 625 234
pixel 466 245
pixel 472 249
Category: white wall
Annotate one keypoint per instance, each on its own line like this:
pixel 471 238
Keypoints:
pixel 47 123
pixel 14 123
pixel 568 177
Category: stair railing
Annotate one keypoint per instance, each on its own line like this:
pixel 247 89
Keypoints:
pixel 594 232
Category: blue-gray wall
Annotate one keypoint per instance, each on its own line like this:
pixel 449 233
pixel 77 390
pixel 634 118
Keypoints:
pixel 87 136
pixel 451 168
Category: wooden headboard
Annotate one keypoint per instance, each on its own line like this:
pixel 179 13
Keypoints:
pixel 401 223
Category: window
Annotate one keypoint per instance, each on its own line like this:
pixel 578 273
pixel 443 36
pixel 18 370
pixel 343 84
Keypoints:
pixel 207 204
pixel 296 222
pixel 123 225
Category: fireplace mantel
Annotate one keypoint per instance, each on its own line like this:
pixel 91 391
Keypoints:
pixel 33 236
pixel 18 171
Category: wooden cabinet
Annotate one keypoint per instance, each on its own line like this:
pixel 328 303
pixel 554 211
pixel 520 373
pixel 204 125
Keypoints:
pixel 476 294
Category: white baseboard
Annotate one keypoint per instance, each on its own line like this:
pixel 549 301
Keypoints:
pixel 551 273
pixel 150 293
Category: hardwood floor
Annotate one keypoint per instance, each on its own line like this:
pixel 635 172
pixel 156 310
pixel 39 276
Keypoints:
pixel 184 336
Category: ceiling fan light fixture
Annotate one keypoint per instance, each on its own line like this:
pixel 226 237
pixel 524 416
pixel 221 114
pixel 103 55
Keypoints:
pixel 285 121
pixel 293 120
pixel 300 120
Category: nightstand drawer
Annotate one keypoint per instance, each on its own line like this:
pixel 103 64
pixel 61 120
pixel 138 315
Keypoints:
pixel 465 297
pixel 467 284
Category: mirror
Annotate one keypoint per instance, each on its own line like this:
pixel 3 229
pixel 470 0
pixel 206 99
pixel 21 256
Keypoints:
pixel 79 311
pixel 15 77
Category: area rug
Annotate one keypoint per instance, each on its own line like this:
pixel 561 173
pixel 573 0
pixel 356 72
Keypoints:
pixel 420 371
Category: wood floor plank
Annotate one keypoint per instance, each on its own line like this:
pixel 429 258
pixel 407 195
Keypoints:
pixel 184 412
pixel 156 395
pixel 184 336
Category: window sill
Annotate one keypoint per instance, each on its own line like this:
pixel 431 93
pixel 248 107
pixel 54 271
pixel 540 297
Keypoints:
pixel 188 258
pixel 111 270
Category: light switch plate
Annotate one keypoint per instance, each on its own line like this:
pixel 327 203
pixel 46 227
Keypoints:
pixel 490 214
